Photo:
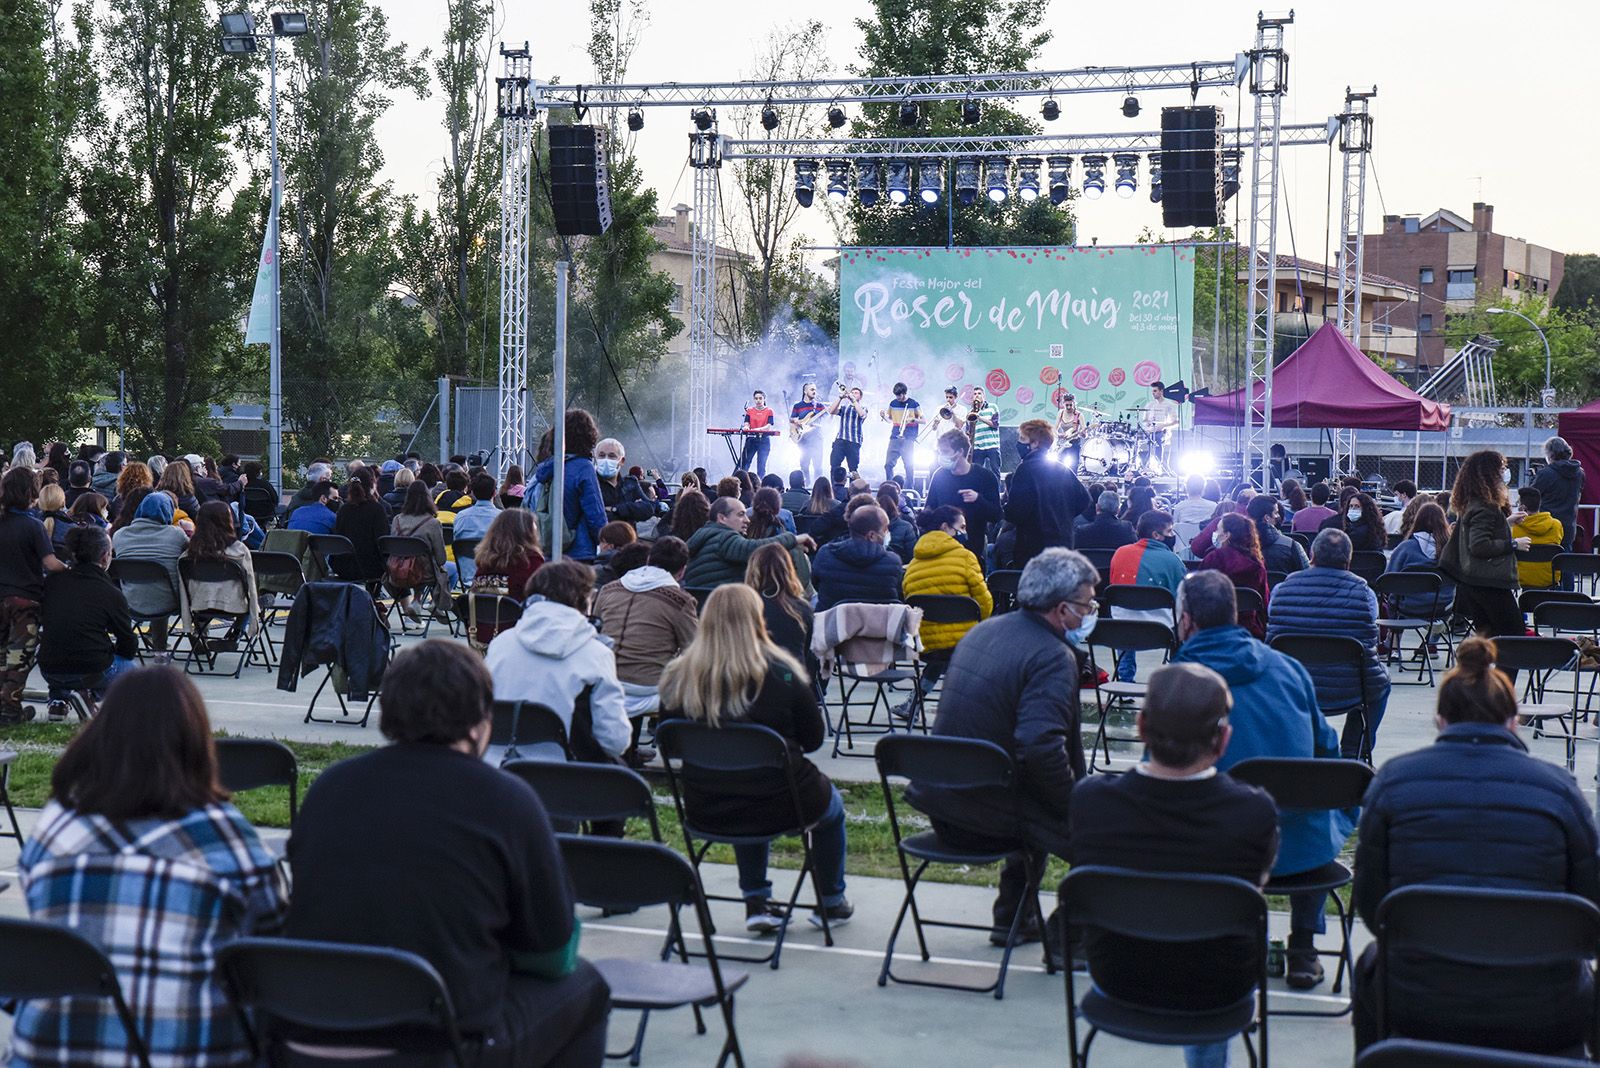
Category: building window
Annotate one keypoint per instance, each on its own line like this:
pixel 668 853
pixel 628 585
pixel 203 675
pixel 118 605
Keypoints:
pixel 1412 225
pixel 1468 276
pixel 1425 276
pixel 1425 324
pixel 677 299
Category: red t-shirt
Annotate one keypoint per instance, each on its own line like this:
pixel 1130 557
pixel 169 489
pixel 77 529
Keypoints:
pixel 758 418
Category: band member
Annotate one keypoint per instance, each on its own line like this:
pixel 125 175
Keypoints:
pixel 946 418
pixel 905 418
pixel 1070 429
pixel 983 430
pixel 756 446
pixel 852 415
pixel 1160 417
pixel 804 417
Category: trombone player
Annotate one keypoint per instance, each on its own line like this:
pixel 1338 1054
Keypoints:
pixel 904 415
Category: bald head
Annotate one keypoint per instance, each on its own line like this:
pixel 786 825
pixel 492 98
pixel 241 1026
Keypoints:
pixel 869 521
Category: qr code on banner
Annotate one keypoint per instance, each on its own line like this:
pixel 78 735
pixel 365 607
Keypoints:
pixel 1058 352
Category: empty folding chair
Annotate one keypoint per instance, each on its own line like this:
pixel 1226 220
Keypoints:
pixel 279 577
pixel 1317 650
pixel 1122 636
pixel 335 555
pixel 338 999
pixel 1248 601
pixel 586 794
pixel 1542 658
pixel 252 763
pixel 1314 784
pixel 1571 567
pixel 1174 909
pixel 44 960
pixel 952 763
pixel 1411 1053
pixel 1003 588
pixel 941 608
pixel 621 876
pixel 1274 578
pixel 524 730
pixel 1392 588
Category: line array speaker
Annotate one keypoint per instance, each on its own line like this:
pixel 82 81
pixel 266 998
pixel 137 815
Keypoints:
pixel 1191 166
pixel 580 187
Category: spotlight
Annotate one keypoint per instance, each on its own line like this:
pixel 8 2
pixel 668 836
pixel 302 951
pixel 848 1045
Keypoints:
pixel 1127 174
pixel 635 119
pixel 966 182
pixel 1199 462
pixel 290 24
pixel 1230 172
pixel 836 116
pixel 805 181
pixel 899 181
pixel 1051 110
pixel 703 117
pixel 867 182
pixel 1155 183
pixel 1028 179
pixel 998 171
pixel 908 113
pixel 1130 106
pixel 1094 177
pixel 769 118
pixel 971 112
pixel 930 181
pixel 238 23
pixel 838 180
pixel 1060 171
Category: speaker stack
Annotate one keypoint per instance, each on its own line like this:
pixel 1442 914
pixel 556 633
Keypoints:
pixel 580 195
pixel 1191 166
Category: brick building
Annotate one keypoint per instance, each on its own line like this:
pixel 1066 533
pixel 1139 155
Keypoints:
pixel 1451 261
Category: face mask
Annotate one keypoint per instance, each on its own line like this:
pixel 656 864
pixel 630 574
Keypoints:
pixel 1023 450
pixel 1216 538
pixel 608 468
pixel 947 462
pixel 1505 476
pixel 1354 515
pixel 1080 636
pixel 961 537
pixel 1170 541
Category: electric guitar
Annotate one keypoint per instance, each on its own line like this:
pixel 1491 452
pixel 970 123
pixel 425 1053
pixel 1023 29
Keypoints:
pixel 798 429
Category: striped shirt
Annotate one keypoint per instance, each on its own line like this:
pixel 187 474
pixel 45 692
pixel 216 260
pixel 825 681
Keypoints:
pixel 849 423
pixel 986 436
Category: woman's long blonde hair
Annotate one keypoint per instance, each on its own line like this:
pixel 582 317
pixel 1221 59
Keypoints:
pixel 721 672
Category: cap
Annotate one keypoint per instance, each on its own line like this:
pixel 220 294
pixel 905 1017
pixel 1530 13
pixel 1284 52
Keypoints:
pixel 390 466
pixel 194 460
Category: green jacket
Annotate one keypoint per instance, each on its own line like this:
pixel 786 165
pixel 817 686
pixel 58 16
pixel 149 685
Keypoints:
pixel 1480 551
pixel 718 555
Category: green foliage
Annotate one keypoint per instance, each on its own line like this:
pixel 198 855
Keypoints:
pixel 1220 325
pixel 1580 285
pixel 1519 362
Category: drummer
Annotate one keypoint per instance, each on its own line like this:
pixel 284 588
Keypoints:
pixel 1160 419
pixel 1070 429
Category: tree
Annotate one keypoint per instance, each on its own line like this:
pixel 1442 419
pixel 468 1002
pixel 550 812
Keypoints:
pixel 1519 361
pixel 41 100
pixel 1219 326
pixel 1580 285
pixel 170 220
pixel 952 37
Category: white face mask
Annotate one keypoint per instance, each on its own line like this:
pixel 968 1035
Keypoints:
pixel 1354 515
pixel 608 467
pixel 1216 538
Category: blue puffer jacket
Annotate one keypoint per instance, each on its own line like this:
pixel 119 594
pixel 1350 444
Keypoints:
pixel 583 508
pixel 1274 714
pixel 1418 553
pixel 855 569
pixel 1332 603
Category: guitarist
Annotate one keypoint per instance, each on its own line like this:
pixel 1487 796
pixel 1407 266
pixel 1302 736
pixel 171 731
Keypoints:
pixel 1070 430
pixel 803 419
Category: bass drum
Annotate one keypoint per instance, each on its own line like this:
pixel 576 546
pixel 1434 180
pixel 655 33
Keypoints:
pixel 1104 455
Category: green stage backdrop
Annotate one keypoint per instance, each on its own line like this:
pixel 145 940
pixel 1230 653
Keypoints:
pixel 1027 323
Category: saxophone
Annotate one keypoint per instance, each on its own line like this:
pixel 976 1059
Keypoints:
pixel 972 422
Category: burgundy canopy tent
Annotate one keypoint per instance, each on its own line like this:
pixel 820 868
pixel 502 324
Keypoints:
pixel 1328 382
pixel 1581 428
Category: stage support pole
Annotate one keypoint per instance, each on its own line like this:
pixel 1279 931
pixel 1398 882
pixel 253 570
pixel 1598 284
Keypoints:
pixel 558 421
pixel 444 419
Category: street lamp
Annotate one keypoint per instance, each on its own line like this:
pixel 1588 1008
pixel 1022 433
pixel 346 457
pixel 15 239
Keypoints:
pixel 239 38
pixel 1547 395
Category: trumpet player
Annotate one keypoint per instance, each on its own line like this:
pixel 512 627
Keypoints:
pixel 852 413
pixel 904 416
pixel 946 418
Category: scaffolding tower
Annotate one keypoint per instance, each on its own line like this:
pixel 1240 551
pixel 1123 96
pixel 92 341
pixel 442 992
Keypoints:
pixel 517 132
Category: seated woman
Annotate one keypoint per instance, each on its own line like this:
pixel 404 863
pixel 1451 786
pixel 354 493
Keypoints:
pixel 177 478
pixel 215 539
pixel 86 636
pixel 140 852
pixel 53 510
pixel 90 509
pixel 506 559
pixel 480 862
pixel 419 519
pixel 1236 552
pixel 733 673
pixel 363 519
pixel 151 536
pixel 1423 536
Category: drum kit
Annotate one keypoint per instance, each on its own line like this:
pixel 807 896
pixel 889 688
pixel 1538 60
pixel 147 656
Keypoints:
pixel 1117 447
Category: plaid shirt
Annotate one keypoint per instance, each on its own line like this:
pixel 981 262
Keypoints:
pixel 158 896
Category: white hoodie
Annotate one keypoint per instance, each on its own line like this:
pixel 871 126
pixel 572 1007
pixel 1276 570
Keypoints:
pixel 551 656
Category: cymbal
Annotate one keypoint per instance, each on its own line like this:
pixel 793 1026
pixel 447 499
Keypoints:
pixel 1090 410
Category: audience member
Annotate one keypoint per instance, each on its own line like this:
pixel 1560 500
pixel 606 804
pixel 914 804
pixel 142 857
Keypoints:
pixel 151 536
pixel 140 852
pixel 1140 500
pixel 942 565
pixel 86 634
pixel 902 531
pixel 1236 552
pixel 1540 528
pixel 56 459
pixel 1150 561
pixel 1294 499
pixel 1309 520
pixel 975 490
pixel 1482 553
pixel 472 523
pixel 105 479
pixel 1422 542
pixel 1044 498
pixel 419 519
pixel 1274 714
pixel 690 512
pixel 860 567
pixel 257 479
pixel 1560 486
pixel 79 473
pixel 134 476
pixel 1405 491
pixel 1106 530
pixel 1476 809
pixel 620 493
pixel 1191 513
pixel 178 480
pixel 317 516
pixel 506 559
pixel 734 673
pixel 649 619
pixel 797 498
pixel 1279 552
pixel 1174 813
pixel 614 537
pixel 719 550
pixel 1359 518
pixel 209 487
pixel 363 520
pixel 482 866
pixel 216 539
pixel 90 510
pixel 784 606
pixel 53 512
pixel 395 498
pixel 317 471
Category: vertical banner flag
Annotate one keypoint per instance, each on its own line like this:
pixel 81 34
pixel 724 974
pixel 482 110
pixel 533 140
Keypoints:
pixel 1027 324
pixel 258 328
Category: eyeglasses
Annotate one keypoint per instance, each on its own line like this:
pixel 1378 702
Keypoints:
pixel 1083 608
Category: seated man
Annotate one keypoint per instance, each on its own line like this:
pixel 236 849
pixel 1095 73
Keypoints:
pixel 860 567
pixel 1174 813
pixel 1150 561
pixel 1013 681
pixel 798 496
pixel 1540 528
pixel 1328 601
pixel 472 522
pixel 1475 808
pixel 649 619
pixel 719 551
pixel 317 515
pixel 1275 714
pixel 422 846
pixel 1105 530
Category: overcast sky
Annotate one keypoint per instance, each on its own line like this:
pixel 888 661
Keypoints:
pixel 1476 100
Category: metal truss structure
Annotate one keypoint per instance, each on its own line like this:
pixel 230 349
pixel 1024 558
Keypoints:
pixel 517 133
pixel 1143 142
pixel 1355 146
pixel 705 160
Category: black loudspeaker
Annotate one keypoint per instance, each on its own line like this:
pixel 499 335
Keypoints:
pixel 580 193
pixel 1191 166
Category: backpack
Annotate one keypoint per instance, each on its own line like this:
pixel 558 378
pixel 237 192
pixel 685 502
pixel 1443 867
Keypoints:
pixel 541 514
pixel 407 572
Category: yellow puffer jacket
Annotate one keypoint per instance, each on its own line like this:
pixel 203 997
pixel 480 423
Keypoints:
pixel 942 565
pixel 1541 528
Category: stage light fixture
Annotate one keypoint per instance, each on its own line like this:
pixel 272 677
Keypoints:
pixel 1230 172
pixel 868 184
pixel 769 118
pixel 238 23
pixel 971 112
pixel 805 181
pixel 1051 110
pixel 966 182
pixel 290 24
pixel 1130 106
pixel 899 181
pixel 838 180
pixel 1127 174
pixel 1060 172
pixel 703 118
pixel 238 46
pixel 1028 179
pixel 930 181
pixel 1199 462
pixel 998 172
pixel 908 113
pixel 635 119
pixel 836 116
pixel 1155 183
pixel 1094 177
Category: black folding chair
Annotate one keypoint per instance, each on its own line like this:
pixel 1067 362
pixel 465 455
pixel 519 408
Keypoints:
pixel 1167 908
pixel 736 751
pixel 1411 1053
pixel 1247 600
pixel 1122 636
pixel 463 549
pixel 1274 578
pixel 576 794
pixel 1368 563
pixel 485 615
pixel 205 648
pixel 1391 587
pixel 622 876
pixel 1543 554
pixel 519 724
pixel 941 608
pixel 1528 601
pixel 395 545
pixel 8 757
pixel 152 575
pixel 1003 588
pixel 345 718
pixel 952 763
pixel 277 575
pixel 1318 650
pixel 251 763
pixel 1483 928
pixel 1139 599
pixel 330 994
pixel 1318 785
pixel 260 504
pixel 1570 567
pixel 1542 658
pixel 45 960
pixel 335 554
pixel 1303 538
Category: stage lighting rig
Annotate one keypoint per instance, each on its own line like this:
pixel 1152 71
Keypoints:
pixel 769 118
pixel 899 181
pixel 836 116
pixel 1094 177
pixel 805 181
pixel 971 112
pixel 1127 173
pixel 635 119
pixel 1060 174
pixel 1130 106
pixel 966 182
pixel 703 118
pixel 868 182
pixel 930 181
pixel 1155 182
pixel 1050 110
pixel 1231 160
pixel 838 180
pixel 998 171
pixel 1028 178
pixel 908 113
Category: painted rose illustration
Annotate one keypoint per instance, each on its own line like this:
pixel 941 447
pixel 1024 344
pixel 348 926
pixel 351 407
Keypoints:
pixel 1086 377
pixel 997 382
pixel 1049 375
pixel 912 376
pixel 953 372
pixel 1116 377
pixel 1024 396
pixel 1146 372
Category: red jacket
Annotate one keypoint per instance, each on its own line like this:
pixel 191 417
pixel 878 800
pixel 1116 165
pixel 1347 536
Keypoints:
pixel 1246 571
